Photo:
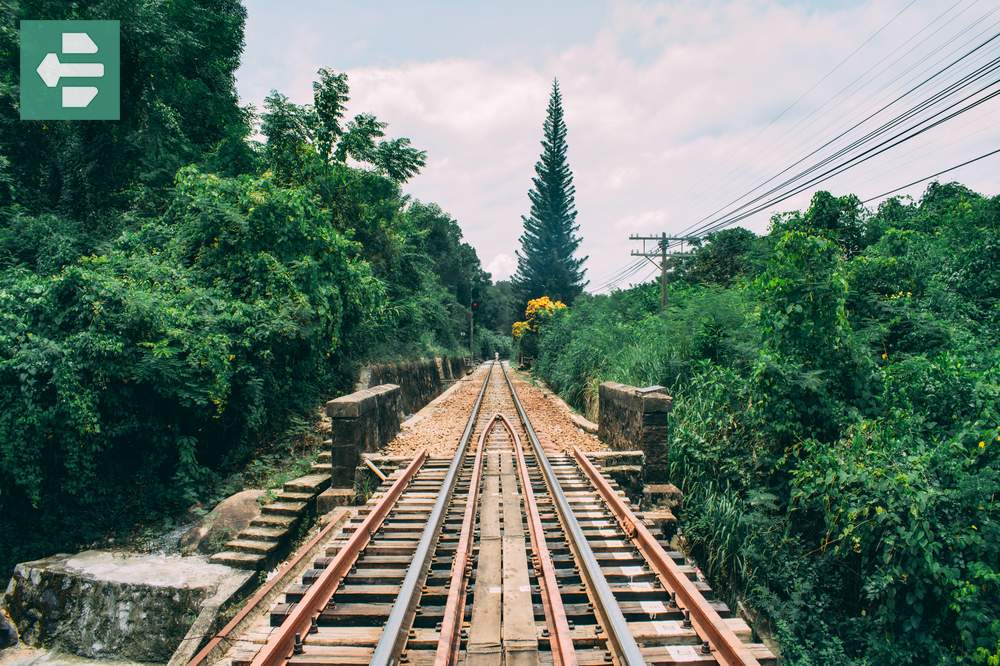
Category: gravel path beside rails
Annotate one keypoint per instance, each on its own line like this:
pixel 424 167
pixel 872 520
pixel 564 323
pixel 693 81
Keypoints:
pixel 439 425
pixel 551 418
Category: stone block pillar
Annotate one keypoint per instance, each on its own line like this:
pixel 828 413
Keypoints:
pixel 636 418
pixel 361 422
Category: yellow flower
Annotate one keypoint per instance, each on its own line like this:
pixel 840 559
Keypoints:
pixel 542 304
pixel 982 444
pixel 885 356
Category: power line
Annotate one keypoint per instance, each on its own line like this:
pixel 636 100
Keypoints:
pixel 910 68
pixel 862 76
pixel 923 105
pixel 802 96
pixel 694 228
pixel 933 175
pixel 847 165
pixel 634 266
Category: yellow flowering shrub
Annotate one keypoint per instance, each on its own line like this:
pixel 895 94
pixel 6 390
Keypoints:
pixel 541 307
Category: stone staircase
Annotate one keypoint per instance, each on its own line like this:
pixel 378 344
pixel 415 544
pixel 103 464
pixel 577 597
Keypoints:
pixel 269 533
pixel 324 464
pixel 659 500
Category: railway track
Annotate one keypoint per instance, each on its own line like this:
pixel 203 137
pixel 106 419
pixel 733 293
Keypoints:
pixel 506 553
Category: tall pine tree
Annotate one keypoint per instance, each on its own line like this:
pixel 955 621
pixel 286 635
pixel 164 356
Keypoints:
pixel 546 264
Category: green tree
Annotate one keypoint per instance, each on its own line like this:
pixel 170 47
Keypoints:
pixel 178 101
pixel 546 263
pixel 301 135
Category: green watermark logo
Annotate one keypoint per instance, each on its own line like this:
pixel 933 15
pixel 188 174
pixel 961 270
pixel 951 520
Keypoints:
pixel 70 70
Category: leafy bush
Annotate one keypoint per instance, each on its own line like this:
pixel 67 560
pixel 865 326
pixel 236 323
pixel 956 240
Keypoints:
pixel 192 339
pixel 835 430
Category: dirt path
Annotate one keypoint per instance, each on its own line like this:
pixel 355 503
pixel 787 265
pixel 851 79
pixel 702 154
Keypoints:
pixel 439 425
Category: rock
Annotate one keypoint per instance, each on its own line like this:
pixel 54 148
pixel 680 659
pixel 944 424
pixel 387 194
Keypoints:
pixel 584 424
pixel 8 632
pixel 229 517
pixel 102 604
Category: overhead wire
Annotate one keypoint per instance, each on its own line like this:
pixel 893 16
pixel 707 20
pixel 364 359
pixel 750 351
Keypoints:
pixel 865 156
pixel 961 33
pixel 804 94
pixel 979 73
pixel 933 175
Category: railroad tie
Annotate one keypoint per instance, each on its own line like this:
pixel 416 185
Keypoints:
pixel 484 646
pixel 520 636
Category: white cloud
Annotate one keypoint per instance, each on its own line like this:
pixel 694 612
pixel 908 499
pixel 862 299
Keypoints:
pixel 668 109
pixel 502 266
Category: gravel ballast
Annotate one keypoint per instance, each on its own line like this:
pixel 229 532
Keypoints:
pixel 439 426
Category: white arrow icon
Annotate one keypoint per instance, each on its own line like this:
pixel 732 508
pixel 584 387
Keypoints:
pixel 51 70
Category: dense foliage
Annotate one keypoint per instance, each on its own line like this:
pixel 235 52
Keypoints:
pixel 836 425
pixel 546 262
pixel 173 294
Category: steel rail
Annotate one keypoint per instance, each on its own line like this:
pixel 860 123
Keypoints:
pixel 560 635
pixel 394 632
pixel 625 649
pixel 730 650
pixel 454 610
pixel 281 644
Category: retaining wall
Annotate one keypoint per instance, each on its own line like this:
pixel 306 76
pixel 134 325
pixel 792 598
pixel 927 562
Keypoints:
pixel 636 418
pixel 419 381
pixel 369 418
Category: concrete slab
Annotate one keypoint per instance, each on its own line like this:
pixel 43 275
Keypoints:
pixel 40 657
pixel 114 604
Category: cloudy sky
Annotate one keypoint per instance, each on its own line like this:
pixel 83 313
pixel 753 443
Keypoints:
pixel 674 109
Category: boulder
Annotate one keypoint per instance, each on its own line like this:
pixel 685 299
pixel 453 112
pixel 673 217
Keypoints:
pixel 8 632
pixel 229 517
pixel 102 604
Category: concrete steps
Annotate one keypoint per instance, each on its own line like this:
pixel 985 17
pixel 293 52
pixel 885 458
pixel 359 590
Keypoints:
pixel 245 545
pixel 274 520
pixel 661 495
pixel 311 483
pixel 240 560
pixel 284 508
pixel 261 543
pixel 286 496
pixel 265 533
pixel 331 498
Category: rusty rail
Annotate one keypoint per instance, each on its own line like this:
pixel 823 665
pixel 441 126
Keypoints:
pixel 706 621
pixel 281 643
pixel 454 611
pixel 560 636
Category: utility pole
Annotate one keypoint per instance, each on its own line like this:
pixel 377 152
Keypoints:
pixel 662 251
pixel 472 316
